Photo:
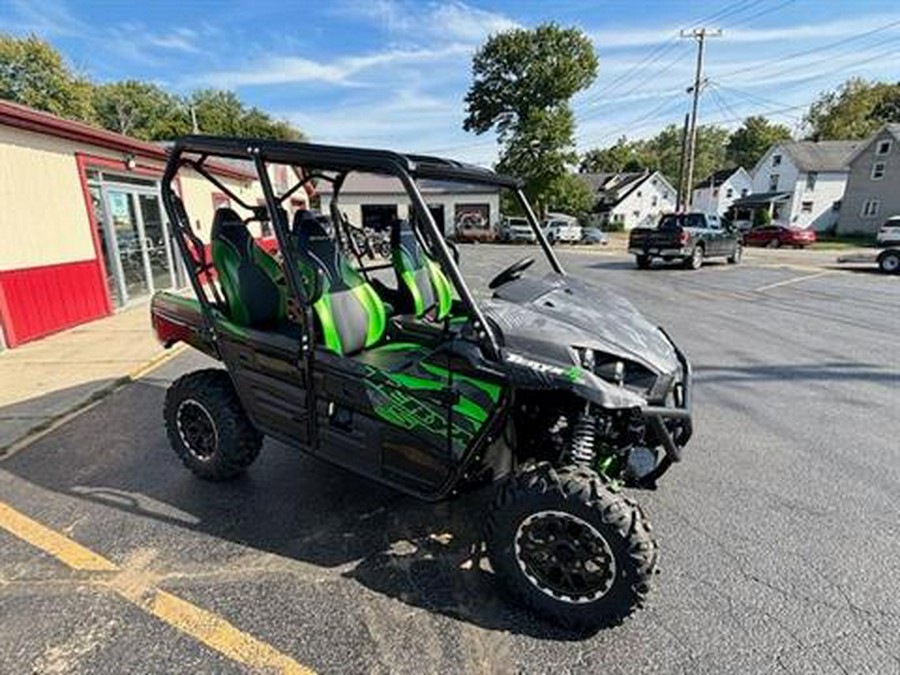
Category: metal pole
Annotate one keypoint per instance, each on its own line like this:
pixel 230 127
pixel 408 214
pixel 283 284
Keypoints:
pixel 679 202
pixel 699 34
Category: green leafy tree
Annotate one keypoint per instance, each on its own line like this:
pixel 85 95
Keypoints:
pixel 570 194
pixel 856 109
pixel 661 153
pixel 134 108
pixel 522 83
pixel 222 113
pixel 623 156
pixel 33 73
pixel 752 139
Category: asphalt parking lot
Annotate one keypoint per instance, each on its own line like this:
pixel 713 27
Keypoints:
pixel 779 531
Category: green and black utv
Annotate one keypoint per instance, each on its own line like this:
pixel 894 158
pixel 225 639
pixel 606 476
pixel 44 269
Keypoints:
pixel 556 392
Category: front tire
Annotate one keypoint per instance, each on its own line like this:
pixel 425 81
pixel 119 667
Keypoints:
pixel 889 262
pixel 570 549
pixel 735 258
pixel 207 426
pixel 642 262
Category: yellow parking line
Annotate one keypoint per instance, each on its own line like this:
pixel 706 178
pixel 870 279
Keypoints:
pixel 59 546
pixel 200 624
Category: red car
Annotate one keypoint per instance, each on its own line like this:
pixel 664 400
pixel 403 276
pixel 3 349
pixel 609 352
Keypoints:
pixel 778 235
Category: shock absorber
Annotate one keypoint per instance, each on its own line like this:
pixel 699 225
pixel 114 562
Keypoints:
pixel 584 437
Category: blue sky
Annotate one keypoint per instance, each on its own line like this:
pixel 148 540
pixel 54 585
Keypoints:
pixel 393 73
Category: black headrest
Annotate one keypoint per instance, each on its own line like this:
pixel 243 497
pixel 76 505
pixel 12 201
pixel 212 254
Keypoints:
pixel 403 235
pixel 308 224
pixel 227 224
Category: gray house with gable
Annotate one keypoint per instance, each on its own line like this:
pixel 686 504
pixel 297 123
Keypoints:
pixel 873 185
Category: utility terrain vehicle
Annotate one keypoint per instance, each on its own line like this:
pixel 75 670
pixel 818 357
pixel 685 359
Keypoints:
pixel 556 391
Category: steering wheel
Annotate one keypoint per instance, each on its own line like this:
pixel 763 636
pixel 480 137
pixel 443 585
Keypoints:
pixel 511 273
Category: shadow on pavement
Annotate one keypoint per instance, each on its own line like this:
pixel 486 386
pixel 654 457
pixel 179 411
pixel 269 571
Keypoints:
pixel 425 555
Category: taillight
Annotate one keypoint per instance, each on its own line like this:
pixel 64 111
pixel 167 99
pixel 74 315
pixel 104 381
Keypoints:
pixel 683 237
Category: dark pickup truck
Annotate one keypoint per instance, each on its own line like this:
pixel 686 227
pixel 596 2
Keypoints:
pixel 688 237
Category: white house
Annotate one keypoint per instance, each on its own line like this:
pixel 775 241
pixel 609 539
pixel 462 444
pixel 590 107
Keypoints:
pixel 374 200
pixel 630 200
pixel 801 183
pixel 716 192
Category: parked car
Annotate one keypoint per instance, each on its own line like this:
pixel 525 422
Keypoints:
pixel 594 235
pixel 889 233
pixel 779 235
pixel 688 237
pixel 561 227
pixel 473 227
pixel 514 229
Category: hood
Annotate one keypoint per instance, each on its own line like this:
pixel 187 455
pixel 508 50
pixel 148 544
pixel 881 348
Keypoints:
pixel 545 317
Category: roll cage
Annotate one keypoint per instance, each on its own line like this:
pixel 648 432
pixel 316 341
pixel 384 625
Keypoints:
pixel 329 163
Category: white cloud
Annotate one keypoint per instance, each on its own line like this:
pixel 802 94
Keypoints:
pixel 295 69
pixel 452 21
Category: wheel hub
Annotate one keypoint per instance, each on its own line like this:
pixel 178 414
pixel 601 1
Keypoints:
pixel 196 429
pixel 564 556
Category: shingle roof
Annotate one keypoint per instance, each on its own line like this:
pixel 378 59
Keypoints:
pixel 820 155
pixel 716 178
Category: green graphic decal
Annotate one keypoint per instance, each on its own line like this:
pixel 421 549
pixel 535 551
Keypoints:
pixel 492 390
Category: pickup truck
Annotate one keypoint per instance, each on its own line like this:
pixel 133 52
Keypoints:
pixel 688 237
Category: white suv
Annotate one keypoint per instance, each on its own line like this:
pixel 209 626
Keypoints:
pixel 560 227
pixel 890 231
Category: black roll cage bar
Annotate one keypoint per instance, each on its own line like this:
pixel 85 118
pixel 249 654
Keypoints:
pixel 193 152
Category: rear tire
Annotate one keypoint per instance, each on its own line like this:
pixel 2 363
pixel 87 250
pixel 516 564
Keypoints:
pixel 735 258
pixel 207 426
pixel 570 549
pixel 643 262
pixel 695 260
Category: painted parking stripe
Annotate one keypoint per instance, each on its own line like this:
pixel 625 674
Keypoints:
pixel 793 280
pixel 202 625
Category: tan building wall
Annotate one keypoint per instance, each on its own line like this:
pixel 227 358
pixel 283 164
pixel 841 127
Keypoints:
pixel 43 217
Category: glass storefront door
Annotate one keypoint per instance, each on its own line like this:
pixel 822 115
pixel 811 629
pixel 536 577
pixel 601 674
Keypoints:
pixel 129 240
pixel 156 240
pixel 133 235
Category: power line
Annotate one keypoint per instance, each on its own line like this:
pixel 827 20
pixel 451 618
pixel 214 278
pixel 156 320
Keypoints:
pixel 763 12
pixel 814 50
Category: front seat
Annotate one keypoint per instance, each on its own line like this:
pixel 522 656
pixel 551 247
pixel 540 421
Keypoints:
pixel 424 290
pixel 251 279
pixel 351 315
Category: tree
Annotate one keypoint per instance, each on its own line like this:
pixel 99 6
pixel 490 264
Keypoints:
pixel 855 110
pixel 569 193
pixel 623 156
pixel 661 153
pixel 752 139
pixel 33 73
pixel 522 83
pixel 134 108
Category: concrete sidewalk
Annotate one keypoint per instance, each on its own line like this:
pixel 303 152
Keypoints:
pixel 44 380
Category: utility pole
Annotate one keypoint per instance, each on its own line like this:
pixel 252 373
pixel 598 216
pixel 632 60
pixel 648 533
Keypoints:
pixel 700 35
pixel 679 201
pixel 195 128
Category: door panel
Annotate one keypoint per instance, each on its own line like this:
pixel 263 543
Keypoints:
pixel 156 240
pixel 123 218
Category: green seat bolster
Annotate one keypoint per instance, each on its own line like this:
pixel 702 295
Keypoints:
pixel 226 261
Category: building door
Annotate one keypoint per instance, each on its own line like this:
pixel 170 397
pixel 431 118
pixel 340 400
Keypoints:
pixel 134 237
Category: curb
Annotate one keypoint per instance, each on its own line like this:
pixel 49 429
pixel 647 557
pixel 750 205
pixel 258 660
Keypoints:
pixel 46 426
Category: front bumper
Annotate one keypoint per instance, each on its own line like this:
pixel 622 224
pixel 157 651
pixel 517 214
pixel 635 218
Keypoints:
pixel 672 426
